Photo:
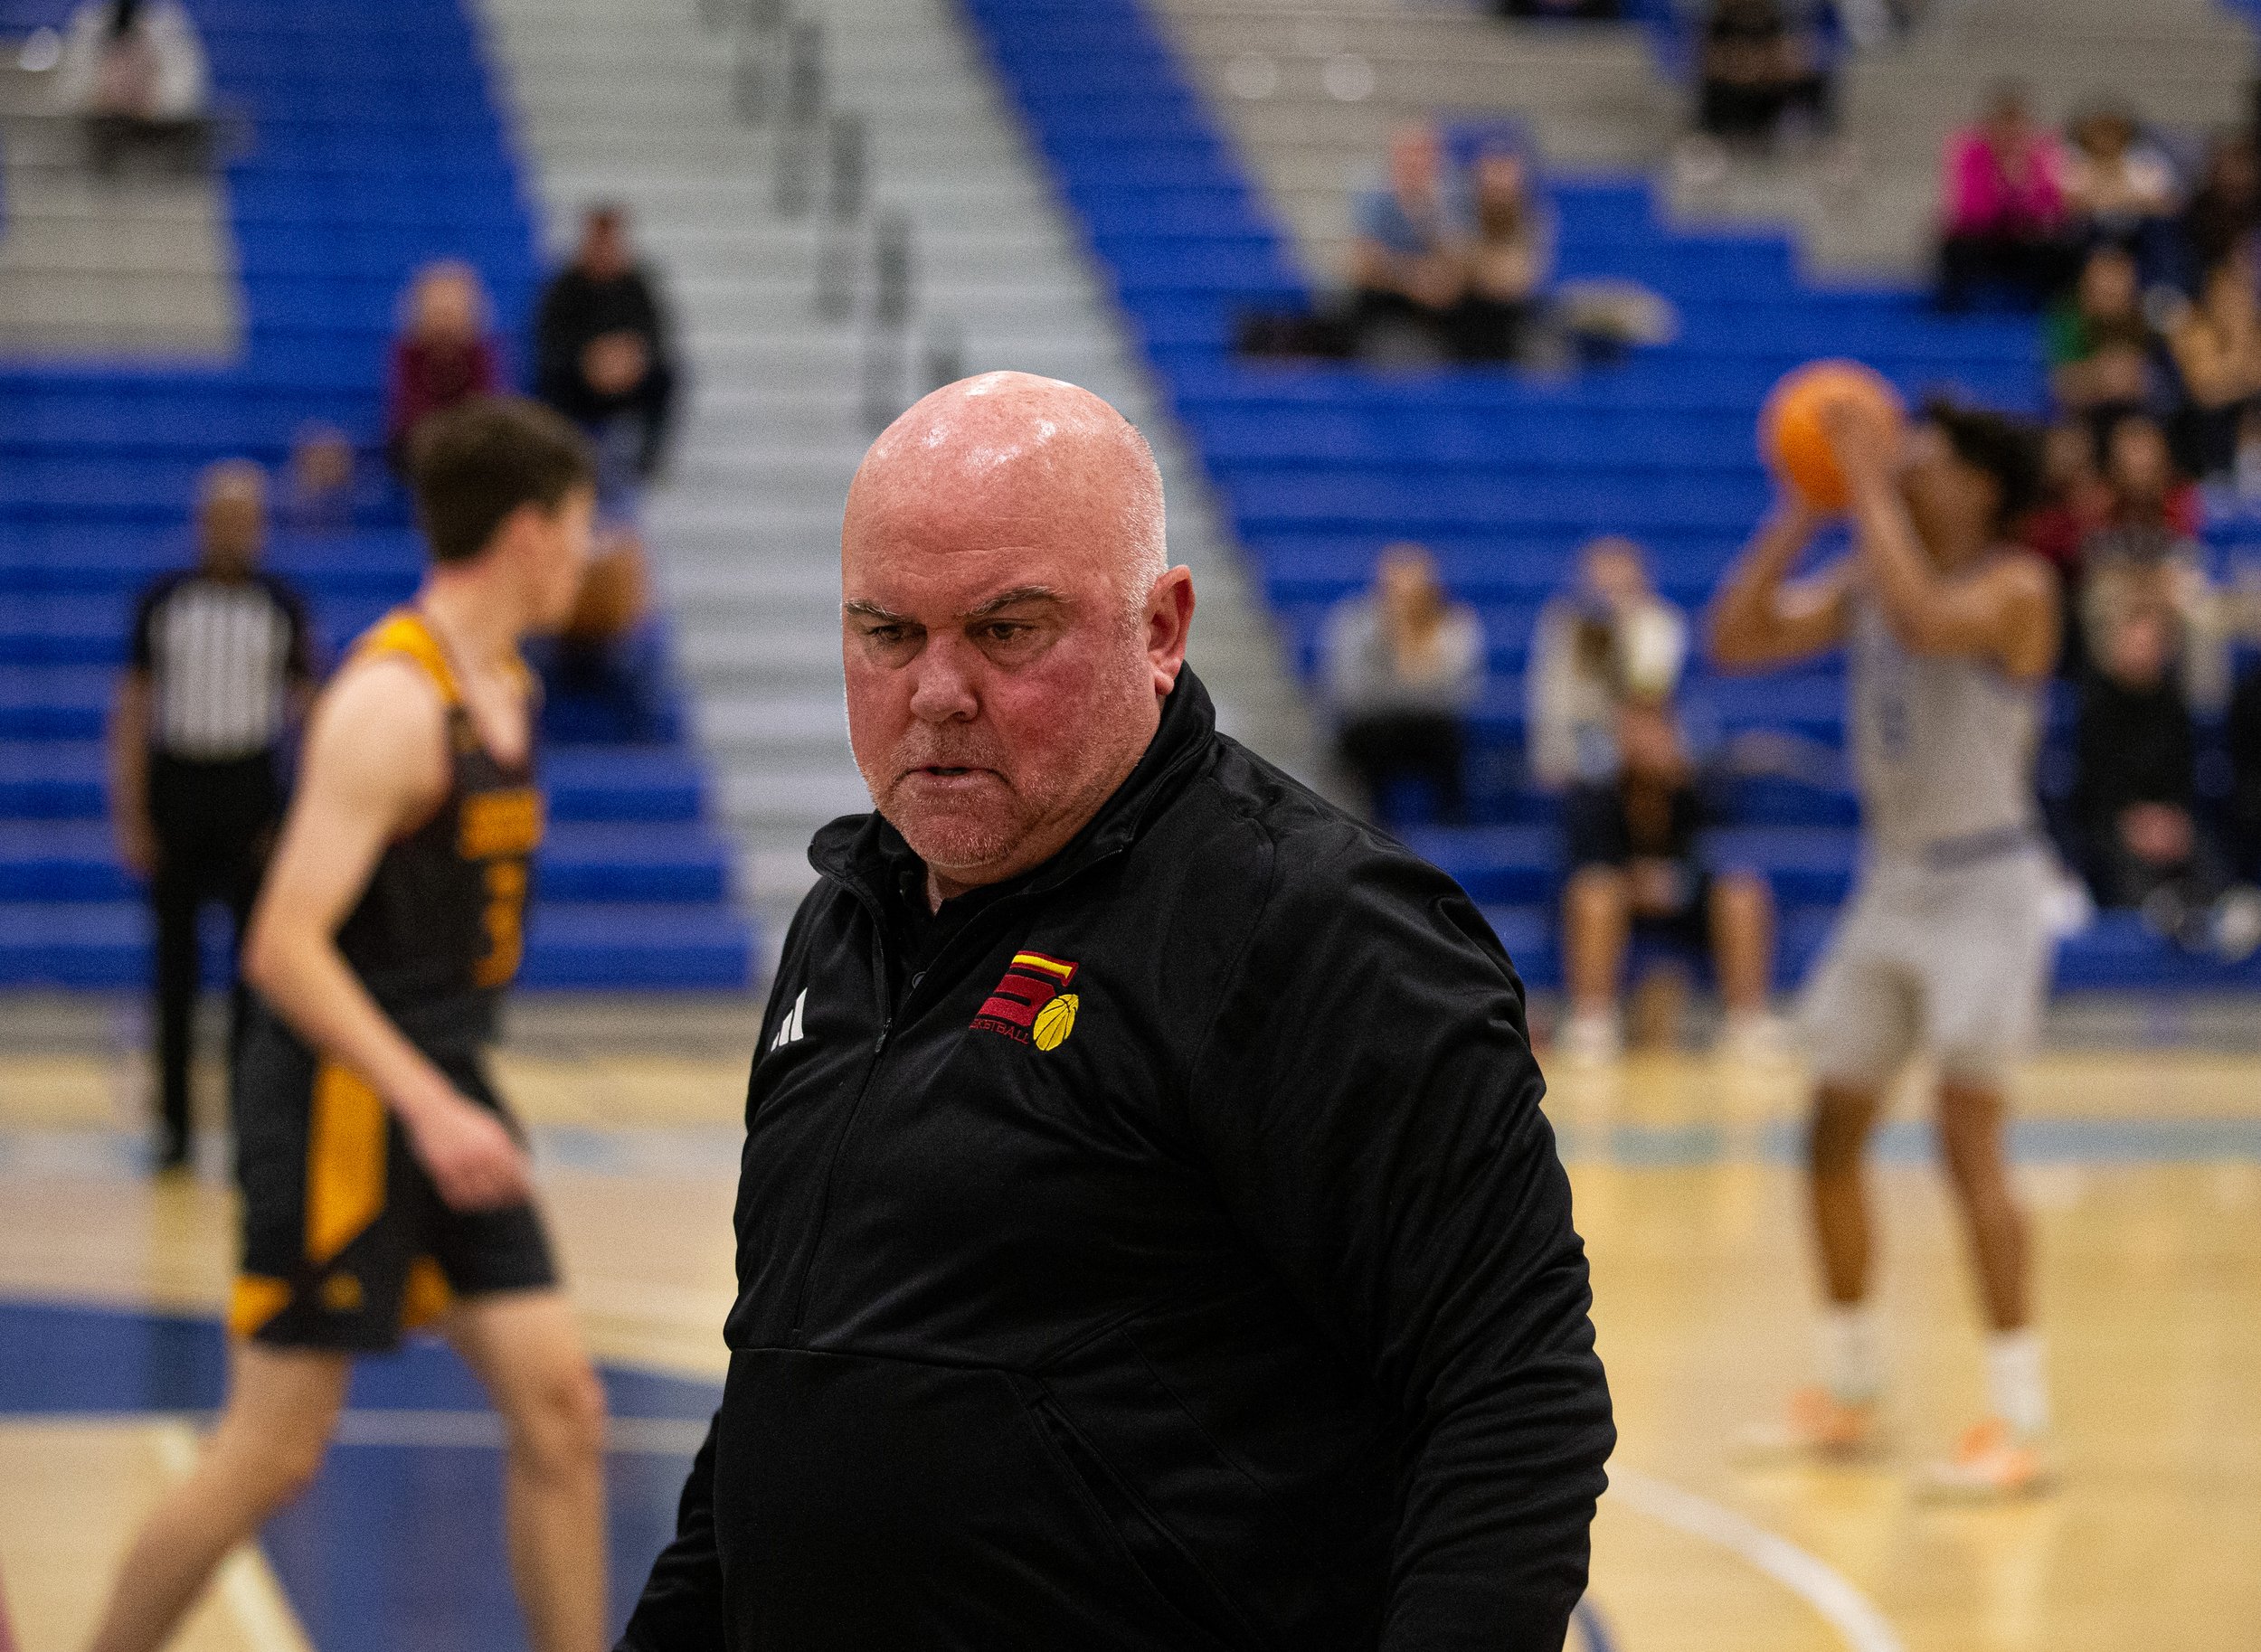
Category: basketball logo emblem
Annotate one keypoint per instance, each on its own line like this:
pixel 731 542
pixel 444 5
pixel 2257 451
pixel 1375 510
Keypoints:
pixel 1031 1005
pixel 1055 1021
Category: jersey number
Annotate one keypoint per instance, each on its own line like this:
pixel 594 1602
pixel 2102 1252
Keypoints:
pixel 506 922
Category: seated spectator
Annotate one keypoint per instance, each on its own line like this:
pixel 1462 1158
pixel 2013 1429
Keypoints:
pixel 2077 501
pixel 1637 869
pixel 2226 208
pixel 1404 665
pixel 2103 352
pixel 2007 218
pixel 443 356
pixel 133 72
pixel 2135 775
pixel 603 353
pixel 2119 190
pixel 1510 256
pixel 1759 65
pixel 2217 345
pixel 2242 736
pixel 321 487
pixel 1409 267
pixel 2147 556
pixel 1610 631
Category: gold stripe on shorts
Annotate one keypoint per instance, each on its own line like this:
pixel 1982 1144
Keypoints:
pixel 344 1162
pixel 255 1300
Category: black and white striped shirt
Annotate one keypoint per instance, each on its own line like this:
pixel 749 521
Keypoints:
pixel 221 655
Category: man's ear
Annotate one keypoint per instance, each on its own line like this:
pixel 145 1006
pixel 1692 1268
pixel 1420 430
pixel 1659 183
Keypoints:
pixel 1168 624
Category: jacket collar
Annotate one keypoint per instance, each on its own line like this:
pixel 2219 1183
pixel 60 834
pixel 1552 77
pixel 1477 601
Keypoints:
pixel 869 855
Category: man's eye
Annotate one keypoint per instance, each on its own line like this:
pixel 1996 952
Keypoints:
pixel 886 636
pixel 1004 630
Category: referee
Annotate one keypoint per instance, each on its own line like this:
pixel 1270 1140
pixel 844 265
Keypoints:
pixel 220 666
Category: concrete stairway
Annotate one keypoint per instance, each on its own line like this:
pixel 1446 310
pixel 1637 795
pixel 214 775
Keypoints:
pixel 139 264
pixel 2179 62
pixel 635 104
pixel 1312 91
pixel 1312 88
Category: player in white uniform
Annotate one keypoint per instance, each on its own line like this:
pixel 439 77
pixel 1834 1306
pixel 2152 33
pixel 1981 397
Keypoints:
pixel 1950 636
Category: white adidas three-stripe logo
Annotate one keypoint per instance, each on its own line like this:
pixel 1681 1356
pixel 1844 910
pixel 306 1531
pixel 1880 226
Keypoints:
pixel 790 1031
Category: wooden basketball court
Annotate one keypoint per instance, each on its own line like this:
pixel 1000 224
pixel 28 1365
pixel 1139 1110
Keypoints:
pixel 2143 1165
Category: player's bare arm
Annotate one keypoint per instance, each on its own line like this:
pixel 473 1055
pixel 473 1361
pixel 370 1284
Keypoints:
pixel 2003 610
pixel 376 767
pixel 128 755
pixel 1763 617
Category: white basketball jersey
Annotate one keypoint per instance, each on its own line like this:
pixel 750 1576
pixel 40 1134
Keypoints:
pixel 1943 744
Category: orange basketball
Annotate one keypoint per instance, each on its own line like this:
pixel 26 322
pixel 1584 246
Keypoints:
pixel 615 594
pixel 1791 436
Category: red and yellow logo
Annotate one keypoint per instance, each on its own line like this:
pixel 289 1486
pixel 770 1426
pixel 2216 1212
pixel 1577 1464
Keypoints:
pixel 1031 1005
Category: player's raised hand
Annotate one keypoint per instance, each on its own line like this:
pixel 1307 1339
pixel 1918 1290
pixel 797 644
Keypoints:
pixel 476 1163
pixel 1865 438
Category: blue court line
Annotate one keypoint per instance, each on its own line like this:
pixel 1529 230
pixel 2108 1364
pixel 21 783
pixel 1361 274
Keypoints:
pixel 2032 1141
pixel 395 1544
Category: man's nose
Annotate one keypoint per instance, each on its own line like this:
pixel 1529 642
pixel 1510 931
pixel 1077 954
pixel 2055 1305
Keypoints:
pixel 943 680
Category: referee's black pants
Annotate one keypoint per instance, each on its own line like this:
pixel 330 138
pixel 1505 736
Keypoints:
pixel 215 823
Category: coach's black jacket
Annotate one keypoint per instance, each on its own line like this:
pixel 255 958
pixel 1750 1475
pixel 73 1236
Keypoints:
pixel 1248 1314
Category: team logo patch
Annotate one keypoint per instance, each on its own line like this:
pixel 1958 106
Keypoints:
pixel 1031 1005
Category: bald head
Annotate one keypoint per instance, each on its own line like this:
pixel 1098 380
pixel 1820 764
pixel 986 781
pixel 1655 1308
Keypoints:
pixel 994 453
pixel 1011 622
pixel 231 515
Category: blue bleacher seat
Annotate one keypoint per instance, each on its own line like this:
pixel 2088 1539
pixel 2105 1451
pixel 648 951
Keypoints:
pixel 376 144
pixel 1319 465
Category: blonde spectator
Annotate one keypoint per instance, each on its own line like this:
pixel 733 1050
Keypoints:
pixel 1610 634
pixel 1404 663
pixel 445 355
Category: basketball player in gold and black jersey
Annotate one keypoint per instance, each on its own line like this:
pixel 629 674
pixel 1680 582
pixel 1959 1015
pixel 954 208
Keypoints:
pixel 384 1185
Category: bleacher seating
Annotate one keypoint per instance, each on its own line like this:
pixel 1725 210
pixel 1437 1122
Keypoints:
pixel 376 146
pixel 1502 475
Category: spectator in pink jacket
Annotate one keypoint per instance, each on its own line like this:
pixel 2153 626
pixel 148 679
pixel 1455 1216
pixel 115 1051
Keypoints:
pixel 2008 222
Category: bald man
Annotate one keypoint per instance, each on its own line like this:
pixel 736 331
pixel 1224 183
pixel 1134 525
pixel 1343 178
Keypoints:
pixel 219 667
pixel 1148 1237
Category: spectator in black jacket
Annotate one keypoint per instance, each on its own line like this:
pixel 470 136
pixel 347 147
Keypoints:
pixel 1758 64
pixel 2136 786
pixel 1150 1236
pixel 2243 736
pixel 603 353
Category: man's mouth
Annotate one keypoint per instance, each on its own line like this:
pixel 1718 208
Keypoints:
pixel 946 771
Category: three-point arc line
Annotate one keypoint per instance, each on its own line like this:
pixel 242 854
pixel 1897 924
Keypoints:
pixel 1842 1607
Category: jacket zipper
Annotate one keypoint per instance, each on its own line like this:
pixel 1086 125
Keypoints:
pixel 840 1136
pixel 888 1012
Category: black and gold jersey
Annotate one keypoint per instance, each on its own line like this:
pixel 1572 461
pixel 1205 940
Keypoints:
pixel 441 923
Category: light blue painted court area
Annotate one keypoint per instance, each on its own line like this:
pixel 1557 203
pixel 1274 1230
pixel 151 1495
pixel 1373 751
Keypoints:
pixel 399 1541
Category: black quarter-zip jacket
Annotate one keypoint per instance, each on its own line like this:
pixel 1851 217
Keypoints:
pixel 1176 1257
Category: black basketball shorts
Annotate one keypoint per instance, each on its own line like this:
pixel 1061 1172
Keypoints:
pixel 346 1242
